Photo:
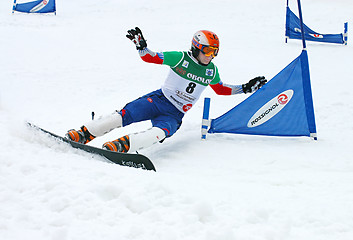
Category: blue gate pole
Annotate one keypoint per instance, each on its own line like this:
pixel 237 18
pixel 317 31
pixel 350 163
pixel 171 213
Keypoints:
pixel 345 34
pixel 14 6
pixel 301 24
pixel 306 81
pixel 205 118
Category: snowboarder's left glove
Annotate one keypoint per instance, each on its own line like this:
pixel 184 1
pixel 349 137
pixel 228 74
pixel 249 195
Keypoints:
pixel 135 35
pixel 254 84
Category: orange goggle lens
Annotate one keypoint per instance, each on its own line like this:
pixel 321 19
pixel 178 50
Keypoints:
pixel 208 51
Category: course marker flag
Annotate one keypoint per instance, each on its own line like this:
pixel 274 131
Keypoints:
pixel 39 6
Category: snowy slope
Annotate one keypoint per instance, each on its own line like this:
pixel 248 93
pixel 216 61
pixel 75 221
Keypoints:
pixel 56 70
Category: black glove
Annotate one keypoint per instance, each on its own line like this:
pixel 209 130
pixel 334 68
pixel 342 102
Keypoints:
pixel 135 35
pixel 254 84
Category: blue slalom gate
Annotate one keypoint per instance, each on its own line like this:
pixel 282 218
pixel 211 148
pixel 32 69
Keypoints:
pixel 282 107
pixel 39 6
pixel 293 31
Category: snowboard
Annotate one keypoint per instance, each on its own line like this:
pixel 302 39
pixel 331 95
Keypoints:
pixel 124 159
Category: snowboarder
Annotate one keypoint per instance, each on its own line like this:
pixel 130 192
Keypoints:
pixel 190 73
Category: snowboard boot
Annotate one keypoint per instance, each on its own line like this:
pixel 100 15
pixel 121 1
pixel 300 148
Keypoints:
pixel 81 136
pixel 119 145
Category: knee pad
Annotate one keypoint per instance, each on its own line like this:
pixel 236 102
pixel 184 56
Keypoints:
pixel 104 124
pixel 146 138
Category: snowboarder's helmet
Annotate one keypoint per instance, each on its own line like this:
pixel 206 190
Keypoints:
pixel 205 41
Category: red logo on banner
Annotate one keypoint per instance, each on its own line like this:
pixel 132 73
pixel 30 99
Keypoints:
pixel 150 100
pixel 187 107
pixel 45 2
pixel 282 99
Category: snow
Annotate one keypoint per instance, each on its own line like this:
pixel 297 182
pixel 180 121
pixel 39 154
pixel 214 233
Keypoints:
pixel 56 70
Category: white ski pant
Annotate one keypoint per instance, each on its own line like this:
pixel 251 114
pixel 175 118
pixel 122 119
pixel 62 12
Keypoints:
pixel 138 141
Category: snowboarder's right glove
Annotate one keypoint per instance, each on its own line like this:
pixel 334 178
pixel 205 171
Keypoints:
pixel 135 35
pixel 254 84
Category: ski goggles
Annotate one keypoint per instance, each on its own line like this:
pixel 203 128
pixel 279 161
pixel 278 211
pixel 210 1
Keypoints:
pixel 207 50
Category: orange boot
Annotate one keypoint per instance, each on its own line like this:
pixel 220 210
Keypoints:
pixel 119 145
pixel 81 136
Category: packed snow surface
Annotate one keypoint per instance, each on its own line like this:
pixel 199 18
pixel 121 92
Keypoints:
pixel 56 70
